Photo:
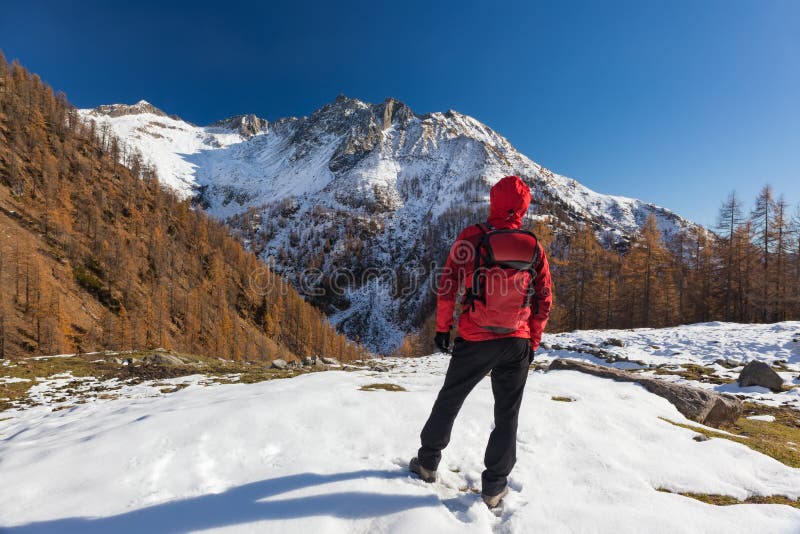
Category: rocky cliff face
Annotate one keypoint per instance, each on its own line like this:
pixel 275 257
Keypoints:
pixel 247 125
pixel 356 203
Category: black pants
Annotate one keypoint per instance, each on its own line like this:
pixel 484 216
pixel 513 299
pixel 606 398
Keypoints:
pixel 508 360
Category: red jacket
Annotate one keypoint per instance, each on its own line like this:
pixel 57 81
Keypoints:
pixel 509 199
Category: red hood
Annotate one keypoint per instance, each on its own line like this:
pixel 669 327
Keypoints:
pixel 508 201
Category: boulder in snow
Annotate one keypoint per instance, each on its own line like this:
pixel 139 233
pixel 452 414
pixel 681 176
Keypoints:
pixel 329 361
pixel 758 373
pixel 378 367
pixel 615 342
pixel 706 407
pixel 162 358
pixel 279 364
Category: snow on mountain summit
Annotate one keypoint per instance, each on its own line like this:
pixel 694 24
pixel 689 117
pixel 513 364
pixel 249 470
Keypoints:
pixel 119 110
pixel 359 186
pixel 350 130
pixel 164 141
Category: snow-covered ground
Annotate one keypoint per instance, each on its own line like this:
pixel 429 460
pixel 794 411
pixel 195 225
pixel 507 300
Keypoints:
pixel 724 348
pixel 701 343
pixel 317 454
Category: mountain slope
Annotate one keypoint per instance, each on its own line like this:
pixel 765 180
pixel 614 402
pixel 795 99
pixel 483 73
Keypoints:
pixel 374 191
pixel 95 254
pixel 214 458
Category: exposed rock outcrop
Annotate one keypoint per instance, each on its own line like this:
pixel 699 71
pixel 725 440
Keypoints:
pixel 279 364
pixel 162 359
pixel 247 125
pixel 706 407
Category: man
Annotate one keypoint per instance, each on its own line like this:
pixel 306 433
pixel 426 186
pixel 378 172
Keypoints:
pixel 499 329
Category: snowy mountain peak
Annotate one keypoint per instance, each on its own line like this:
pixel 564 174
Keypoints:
pixel 247 125
pixel 119 110
pixel 350 110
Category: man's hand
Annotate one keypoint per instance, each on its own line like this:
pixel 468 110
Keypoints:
pixel 442 341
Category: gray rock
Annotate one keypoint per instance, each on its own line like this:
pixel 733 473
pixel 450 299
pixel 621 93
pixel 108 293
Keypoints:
pixel 701 437
pixel 757 373
pixel 706 407
pixel 727 363
pixel 162 358
pixel 329 361
pixel 308 361
pixel 615 342
pixel 279 364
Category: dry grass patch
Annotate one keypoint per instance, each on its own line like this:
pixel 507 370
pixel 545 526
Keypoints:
pixel 727 500
pixel 103 367
pixel 560 398
pixel 384 387
pixel 779 439
pixel 691 371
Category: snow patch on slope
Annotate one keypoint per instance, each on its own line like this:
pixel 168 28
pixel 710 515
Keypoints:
pixel 724 348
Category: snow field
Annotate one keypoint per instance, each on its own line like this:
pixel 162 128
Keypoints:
pixel 316 454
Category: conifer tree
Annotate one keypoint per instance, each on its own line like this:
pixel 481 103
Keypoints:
pixel 729 219
pixel 780 230
pixel 762 221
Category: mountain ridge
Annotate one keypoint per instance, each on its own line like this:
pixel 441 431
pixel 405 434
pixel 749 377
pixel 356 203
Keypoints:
pixel 390 110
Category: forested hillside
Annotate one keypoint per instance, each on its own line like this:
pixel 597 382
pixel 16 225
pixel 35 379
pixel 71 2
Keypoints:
pixel 96 254
pixel 748 270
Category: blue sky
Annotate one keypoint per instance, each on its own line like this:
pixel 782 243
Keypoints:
pixel 675 102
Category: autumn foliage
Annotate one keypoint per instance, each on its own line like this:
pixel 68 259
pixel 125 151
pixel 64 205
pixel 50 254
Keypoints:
pixel 96 254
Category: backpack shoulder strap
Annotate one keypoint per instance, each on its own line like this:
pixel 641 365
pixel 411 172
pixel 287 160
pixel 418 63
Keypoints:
pixel 485 228
pixel 474 291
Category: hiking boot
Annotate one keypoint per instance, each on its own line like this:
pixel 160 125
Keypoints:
pixel 425 474
pixel 493 501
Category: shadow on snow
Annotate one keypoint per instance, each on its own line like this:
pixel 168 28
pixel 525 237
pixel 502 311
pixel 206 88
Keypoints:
pixel 244 504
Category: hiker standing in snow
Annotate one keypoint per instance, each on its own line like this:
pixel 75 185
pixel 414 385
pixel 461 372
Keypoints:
pixel 505 276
